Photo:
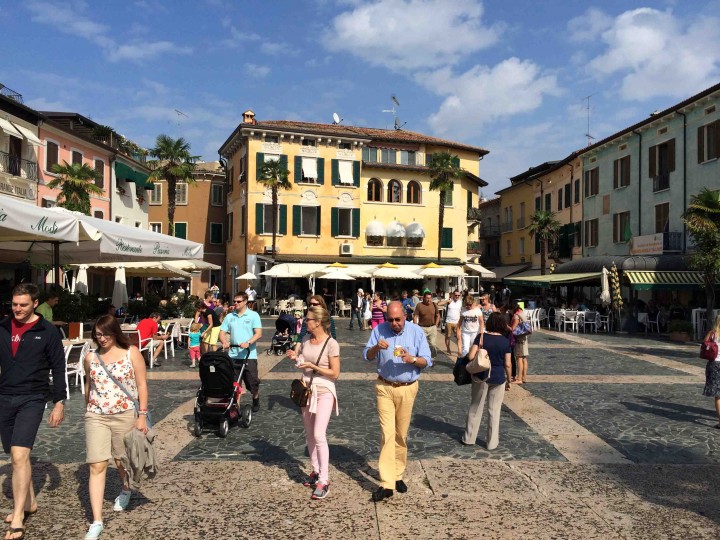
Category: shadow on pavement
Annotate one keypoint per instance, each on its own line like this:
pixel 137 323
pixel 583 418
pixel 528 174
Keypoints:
pixel 354 465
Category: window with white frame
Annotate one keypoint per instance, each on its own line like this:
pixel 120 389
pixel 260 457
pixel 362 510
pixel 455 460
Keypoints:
pixel 156 227
pixel 181 193
pixel 407 157
pixel 267 219
pixel 77 157
pixel 592 182
pixel 309 170
pixel 369 155
pixel 156 194
pixel 621 172
pixel 621 227
pixel 708 141
pixel 388 156
pixel 216 194
pixel 591 232
pixel 309 220
pixel 394 194
pixel 345 171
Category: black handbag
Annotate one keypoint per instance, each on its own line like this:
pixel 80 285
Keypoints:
pixel 460 372
pixel 300 392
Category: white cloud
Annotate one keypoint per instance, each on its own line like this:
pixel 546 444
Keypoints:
pixel 411 34
pixel 270 47
pixel 254 70
pixel 143 50
pixel 657 54
pixel 589 26
pixel 483 94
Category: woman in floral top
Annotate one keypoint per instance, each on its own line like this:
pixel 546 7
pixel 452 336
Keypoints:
pixel 110 412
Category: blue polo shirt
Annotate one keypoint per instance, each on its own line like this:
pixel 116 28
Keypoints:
pixel 241 329
pixel 390 367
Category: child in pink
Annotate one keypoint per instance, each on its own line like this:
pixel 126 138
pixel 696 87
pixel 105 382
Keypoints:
pixel 194 343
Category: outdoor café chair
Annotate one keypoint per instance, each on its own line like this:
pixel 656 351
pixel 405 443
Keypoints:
pixel 342 307
pixel 650 323
pixel 170 341
pixel 591 320
pixel 570 318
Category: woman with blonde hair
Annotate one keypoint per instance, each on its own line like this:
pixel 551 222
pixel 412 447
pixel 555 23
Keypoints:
pixel 314 301
pixel 319 358
pixel 712 370
pixel 116 398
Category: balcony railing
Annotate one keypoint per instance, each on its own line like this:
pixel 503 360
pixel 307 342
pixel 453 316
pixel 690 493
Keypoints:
pixel 474 214
pixel 473 247
pixel 17 166
pixel 506 227
pixel 521 222
pixel 487 231
pixel 661 181
pixel 121 145
pixel 9 93
pixel 672 241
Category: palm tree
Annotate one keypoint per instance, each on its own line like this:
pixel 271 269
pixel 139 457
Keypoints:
pixel 77 183
pixel 546 227
pixel 274 175
pixel 703 222
pixel 174 164
pixel 444 169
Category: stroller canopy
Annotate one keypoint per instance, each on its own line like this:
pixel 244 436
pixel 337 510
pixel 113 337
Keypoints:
pixel 286 322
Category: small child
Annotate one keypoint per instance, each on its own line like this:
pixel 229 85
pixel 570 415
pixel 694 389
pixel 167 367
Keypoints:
pixel 194 342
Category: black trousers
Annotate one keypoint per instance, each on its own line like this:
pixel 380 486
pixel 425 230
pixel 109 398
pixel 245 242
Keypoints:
pixel 250 375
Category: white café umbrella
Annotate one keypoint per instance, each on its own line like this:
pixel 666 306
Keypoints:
pixel 120 294
pixel 80 280
pixel 605 294
pixel 337 275
pixel 247 275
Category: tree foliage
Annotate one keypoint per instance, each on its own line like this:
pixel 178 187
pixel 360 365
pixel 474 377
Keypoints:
pixel 274 176
pixel 444 170
pixel 702 218
pixel 544 225
pixel 76 182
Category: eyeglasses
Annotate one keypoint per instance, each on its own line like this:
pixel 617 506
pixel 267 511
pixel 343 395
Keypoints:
pixel 456 296
pixel 239 301
pixel 101 336
pixel 309 319
pixel 314 304
pixel 396 319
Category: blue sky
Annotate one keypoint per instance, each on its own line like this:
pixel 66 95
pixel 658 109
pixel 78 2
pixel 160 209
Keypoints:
pixel 510 76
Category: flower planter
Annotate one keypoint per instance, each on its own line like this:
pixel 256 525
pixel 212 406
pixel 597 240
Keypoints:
pixel 681 337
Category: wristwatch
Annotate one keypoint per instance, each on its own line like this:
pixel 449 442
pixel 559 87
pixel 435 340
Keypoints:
pixel 414 359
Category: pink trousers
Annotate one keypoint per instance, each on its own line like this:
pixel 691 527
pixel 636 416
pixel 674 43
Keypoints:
pixel 315 434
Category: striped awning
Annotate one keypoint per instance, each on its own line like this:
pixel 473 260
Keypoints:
pixel 549 280
pixel 644 281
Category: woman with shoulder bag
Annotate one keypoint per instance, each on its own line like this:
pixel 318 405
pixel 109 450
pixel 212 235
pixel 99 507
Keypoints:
pixel 493 387
pixel 521 343
pixel 712 371
pixel 111 412
pixel 319 358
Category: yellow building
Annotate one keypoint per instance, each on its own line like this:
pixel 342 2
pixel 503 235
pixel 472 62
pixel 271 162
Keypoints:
pixel 359 195
pixel 516 246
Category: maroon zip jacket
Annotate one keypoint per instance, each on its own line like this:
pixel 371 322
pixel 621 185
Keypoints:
pixel 40 351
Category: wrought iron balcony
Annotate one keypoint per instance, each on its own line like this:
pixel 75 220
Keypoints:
pixel 521 222
pixel 17 166
pixel 9 93
pixel 506 227
pixel 486 231
pixel 473 247
pixel 474 214
pixel 672 241
pixel 661 181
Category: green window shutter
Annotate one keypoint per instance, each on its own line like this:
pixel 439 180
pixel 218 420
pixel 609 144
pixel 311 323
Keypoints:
pixel 321 171
pixel 259 219
pixel 298 169
pixel 296 220
pixel 356 173
pixel 456 162
pixel 335 173
pixel 356 222
pixel 318 215
pixel 447 238
pixel 284 161
pixel 334 217
pixel 537 244
pixel 181 230
pixel 469 199
pixel 259 161
pixel 282 228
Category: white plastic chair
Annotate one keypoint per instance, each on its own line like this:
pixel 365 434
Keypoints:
pixel 135 339
pixel 570 319
pixel 653 322
pixel 542 316
pixel 75 368
pixel 169 342
pixel 591 320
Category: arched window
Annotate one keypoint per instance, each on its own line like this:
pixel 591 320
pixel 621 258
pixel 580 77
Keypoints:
pixel 374 190
pixel 394 192
pixel 413 192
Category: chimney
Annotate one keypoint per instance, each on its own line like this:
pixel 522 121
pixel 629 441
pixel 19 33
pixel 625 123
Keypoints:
pixel 249 117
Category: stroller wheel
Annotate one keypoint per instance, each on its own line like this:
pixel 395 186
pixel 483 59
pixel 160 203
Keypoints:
pixel 280 352
pixel 245 416
pixel 198 429
pixel 223 428
pixel 268 352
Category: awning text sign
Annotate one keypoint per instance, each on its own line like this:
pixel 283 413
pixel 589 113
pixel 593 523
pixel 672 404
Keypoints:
pixel 650 244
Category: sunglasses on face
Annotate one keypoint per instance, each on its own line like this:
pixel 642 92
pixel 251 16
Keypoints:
pixel 397 319
pixel 314 304
pixel 239 301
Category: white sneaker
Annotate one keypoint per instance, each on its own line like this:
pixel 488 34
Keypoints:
pixel 94 531
pixel 122 501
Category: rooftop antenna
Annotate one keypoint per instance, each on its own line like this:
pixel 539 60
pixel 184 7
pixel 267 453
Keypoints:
pixel 337 119
pixel 590 138
pixel 396 103
pixel 179 114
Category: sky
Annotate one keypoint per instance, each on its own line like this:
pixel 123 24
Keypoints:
pixel 519 78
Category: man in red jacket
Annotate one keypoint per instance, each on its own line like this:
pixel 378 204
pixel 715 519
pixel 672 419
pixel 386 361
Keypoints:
pixel 30 347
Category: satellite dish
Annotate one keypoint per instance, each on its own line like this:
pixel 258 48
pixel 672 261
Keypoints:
pixel 398 123
pixel 395 100
pixel 336 118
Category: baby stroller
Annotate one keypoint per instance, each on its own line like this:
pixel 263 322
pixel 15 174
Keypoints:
pixel 218 400
pixel 285 326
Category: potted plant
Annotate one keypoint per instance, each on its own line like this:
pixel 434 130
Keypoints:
pixel 121 190
pixel 680 330
pixel 140 199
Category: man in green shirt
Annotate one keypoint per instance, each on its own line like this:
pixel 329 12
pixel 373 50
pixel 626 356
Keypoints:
pixel 46 309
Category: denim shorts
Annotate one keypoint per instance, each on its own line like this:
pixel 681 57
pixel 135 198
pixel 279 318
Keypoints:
pixel 20 418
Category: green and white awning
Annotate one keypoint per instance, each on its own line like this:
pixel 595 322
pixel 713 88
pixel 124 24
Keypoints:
pixel 647 280
pixel 549 280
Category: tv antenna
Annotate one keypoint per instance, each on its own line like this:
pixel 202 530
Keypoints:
pixel 337 119
pixel 396 103
pixel 590 138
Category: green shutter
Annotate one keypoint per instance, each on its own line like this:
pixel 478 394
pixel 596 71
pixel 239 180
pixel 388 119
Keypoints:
pixel 259 218
pixel 259 161
pixel 321 171
pixel 356 173
pixel 356 222
pixel 181 230
pixel 298 169
pixel 456 162
pixel 334 218
pixel 282 228
pixel 284 161
pixel 469 199
pixel 335 173
pixel 318 215
pixel 296 220
pixel 446 240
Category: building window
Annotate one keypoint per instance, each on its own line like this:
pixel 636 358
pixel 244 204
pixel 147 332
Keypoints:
pixel 100 172
pixel 344 222
pixel 662 217
pixel 138 224
pixel 568 195
pixel 413 192
pixel 156 227
pixel 407 157
pixel 394 194
pixel 99 214
pixel 216 233
pixel 118 219
pixel 375 241
pixel 592 182
pixel 395 241
pixel 156 194
pixel 77 157
pixel 507 247
pixel 538 204
pixel 230 226
pixel 591 233
pixel 388 156
pixel 449 196
pixel 272 139
pixel 308 142
pixel 181 193
pixel 181 229
pixel 51 155
pixel 345 146
pixel 230 177
pixel 708 141
pixel 621 227
pixel 621 172
pixel 309 170
pixel 268 219
pixel 414 241
pixel 576 199
pixel 375 190
pixel 309 222
pixel 242 220
pixel 48 203
pixel 661 164
pixel 548 202
pixel 559 199
pixel 521 246
pixel 369 155
pixel 216 195
pixel 345 171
